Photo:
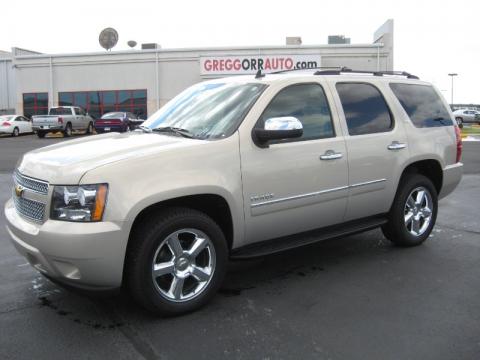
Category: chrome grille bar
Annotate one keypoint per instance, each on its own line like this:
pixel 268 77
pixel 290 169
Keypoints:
pixel 32 184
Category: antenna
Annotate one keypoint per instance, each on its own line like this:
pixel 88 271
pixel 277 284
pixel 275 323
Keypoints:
pixel 259 74
pixel 108 38
pixel 132 43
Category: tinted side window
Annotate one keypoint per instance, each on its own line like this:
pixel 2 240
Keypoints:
pixel 365 108
pixel 306 102
pixel 422 104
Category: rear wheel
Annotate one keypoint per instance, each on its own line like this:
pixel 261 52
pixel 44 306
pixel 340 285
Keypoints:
pixel 68 130
pixel 176 261
pixel 41 134
pixel 15 132
pixel 89 128
pixel 413 212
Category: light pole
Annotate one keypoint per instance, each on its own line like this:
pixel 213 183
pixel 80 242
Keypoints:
pixel 452 75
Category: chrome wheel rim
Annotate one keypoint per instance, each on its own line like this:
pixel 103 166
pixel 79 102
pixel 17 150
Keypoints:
pixel 183 265
pixel 418 211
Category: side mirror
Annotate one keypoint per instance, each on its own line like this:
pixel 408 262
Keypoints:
pixel 278 128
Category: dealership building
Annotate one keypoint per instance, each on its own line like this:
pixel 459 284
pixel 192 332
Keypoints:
pixel 141 81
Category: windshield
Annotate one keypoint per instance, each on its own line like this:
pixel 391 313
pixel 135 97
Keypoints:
pixel 60 111
pixel 208 110
pixel 112 115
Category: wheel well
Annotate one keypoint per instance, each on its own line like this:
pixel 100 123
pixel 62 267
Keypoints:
pixel 429 168
pixel 214 206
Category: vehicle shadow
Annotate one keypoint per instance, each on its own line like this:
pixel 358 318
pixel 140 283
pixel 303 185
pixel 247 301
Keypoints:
pixel 266 275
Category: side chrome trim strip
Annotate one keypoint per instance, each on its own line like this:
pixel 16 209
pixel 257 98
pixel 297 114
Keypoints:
pixel 367 183
pixel 316 193
pixel 296 197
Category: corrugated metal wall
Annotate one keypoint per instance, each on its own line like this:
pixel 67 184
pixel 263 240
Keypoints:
pixel 7 87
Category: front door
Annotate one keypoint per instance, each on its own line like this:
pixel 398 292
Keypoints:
pixel 297 184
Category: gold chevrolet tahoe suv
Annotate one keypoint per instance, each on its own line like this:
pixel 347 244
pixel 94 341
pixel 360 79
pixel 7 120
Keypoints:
pixel 233 168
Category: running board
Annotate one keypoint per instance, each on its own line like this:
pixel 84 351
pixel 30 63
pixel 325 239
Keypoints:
pixel 310 237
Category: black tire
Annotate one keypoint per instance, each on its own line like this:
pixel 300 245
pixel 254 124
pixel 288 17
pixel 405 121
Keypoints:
pixel 68 130
pixel 89 128
pixel 459 122
pixel 41 134
pixel 147 238
pixel 15 132
pixel 396 229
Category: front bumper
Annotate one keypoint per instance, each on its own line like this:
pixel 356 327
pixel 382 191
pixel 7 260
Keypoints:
pixel 89 256
pixel 452 174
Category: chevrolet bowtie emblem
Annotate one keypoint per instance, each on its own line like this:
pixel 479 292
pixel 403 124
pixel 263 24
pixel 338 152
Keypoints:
pixel 19 190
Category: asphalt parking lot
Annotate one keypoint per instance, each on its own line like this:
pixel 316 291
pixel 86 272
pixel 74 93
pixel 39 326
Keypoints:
pixel 357 297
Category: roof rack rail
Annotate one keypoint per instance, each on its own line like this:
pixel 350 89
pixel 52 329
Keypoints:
pixel 307 69
pixel 374 73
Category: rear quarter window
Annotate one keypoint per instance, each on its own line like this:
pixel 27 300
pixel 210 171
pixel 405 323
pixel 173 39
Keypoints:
pixel 422 104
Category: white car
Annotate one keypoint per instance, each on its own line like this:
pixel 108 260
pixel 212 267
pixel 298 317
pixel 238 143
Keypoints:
pixel 15 125
pixel 467 116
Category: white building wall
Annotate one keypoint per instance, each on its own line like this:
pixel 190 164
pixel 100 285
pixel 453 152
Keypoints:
pixel 7 86
pixel 164 73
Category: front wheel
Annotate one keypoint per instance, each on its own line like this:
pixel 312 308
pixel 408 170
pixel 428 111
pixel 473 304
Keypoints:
pixel 15 132
pixel 176 261
pixel 459 122
pixel 413 213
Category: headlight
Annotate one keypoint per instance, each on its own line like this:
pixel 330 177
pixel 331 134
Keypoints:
pixel 83 203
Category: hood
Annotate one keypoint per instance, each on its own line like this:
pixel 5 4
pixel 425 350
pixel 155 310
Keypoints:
pixel 67 162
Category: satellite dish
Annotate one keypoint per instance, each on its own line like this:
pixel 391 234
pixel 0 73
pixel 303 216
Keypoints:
pixel 108 38
pixel 132 43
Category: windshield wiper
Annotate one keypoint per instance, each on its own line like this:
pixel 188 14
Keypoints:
pixel 175 130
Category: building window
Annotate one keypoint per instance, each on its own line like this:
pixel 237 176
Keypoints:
pixel 97 103
pixel 35 104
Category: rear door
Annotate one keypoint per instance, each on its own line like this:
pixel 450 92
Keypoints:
pixel 79 122
pixel 23 124
pixel 376 145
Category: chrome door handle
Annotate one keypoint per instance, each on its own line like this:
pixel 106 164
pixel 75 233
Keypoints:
pixel 331 155
pixel 395 145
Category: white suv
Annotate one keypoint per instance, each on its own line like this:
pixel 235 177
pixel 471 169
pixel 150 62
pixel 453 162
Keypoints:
pixel 232 168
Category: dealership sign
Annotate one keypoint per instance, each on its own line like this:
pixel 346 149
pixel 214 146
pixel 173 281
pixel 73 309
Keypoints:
pixel 237 65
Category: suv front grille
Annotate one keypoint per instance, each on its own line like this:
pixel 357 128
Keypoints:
pixel 30 209
pixel 38 186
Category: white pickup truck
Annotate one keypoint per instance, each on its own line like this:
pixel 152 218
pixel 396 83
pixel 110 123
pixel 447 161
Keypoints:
pixel 62 119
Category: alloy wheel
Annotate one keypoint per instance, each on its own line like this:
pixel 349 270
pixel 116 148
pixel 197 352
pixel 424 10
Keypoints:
pixel 183 265
pixel 418 211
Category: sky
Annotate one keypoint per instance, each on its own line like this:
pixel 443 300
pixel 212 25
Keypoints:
pixel 431 38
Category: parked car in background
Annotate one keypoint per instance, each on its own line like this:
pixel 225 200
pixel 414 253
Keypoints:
pixel 63 119
pixel 118 121
pixel 467 116
pixel 15 125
